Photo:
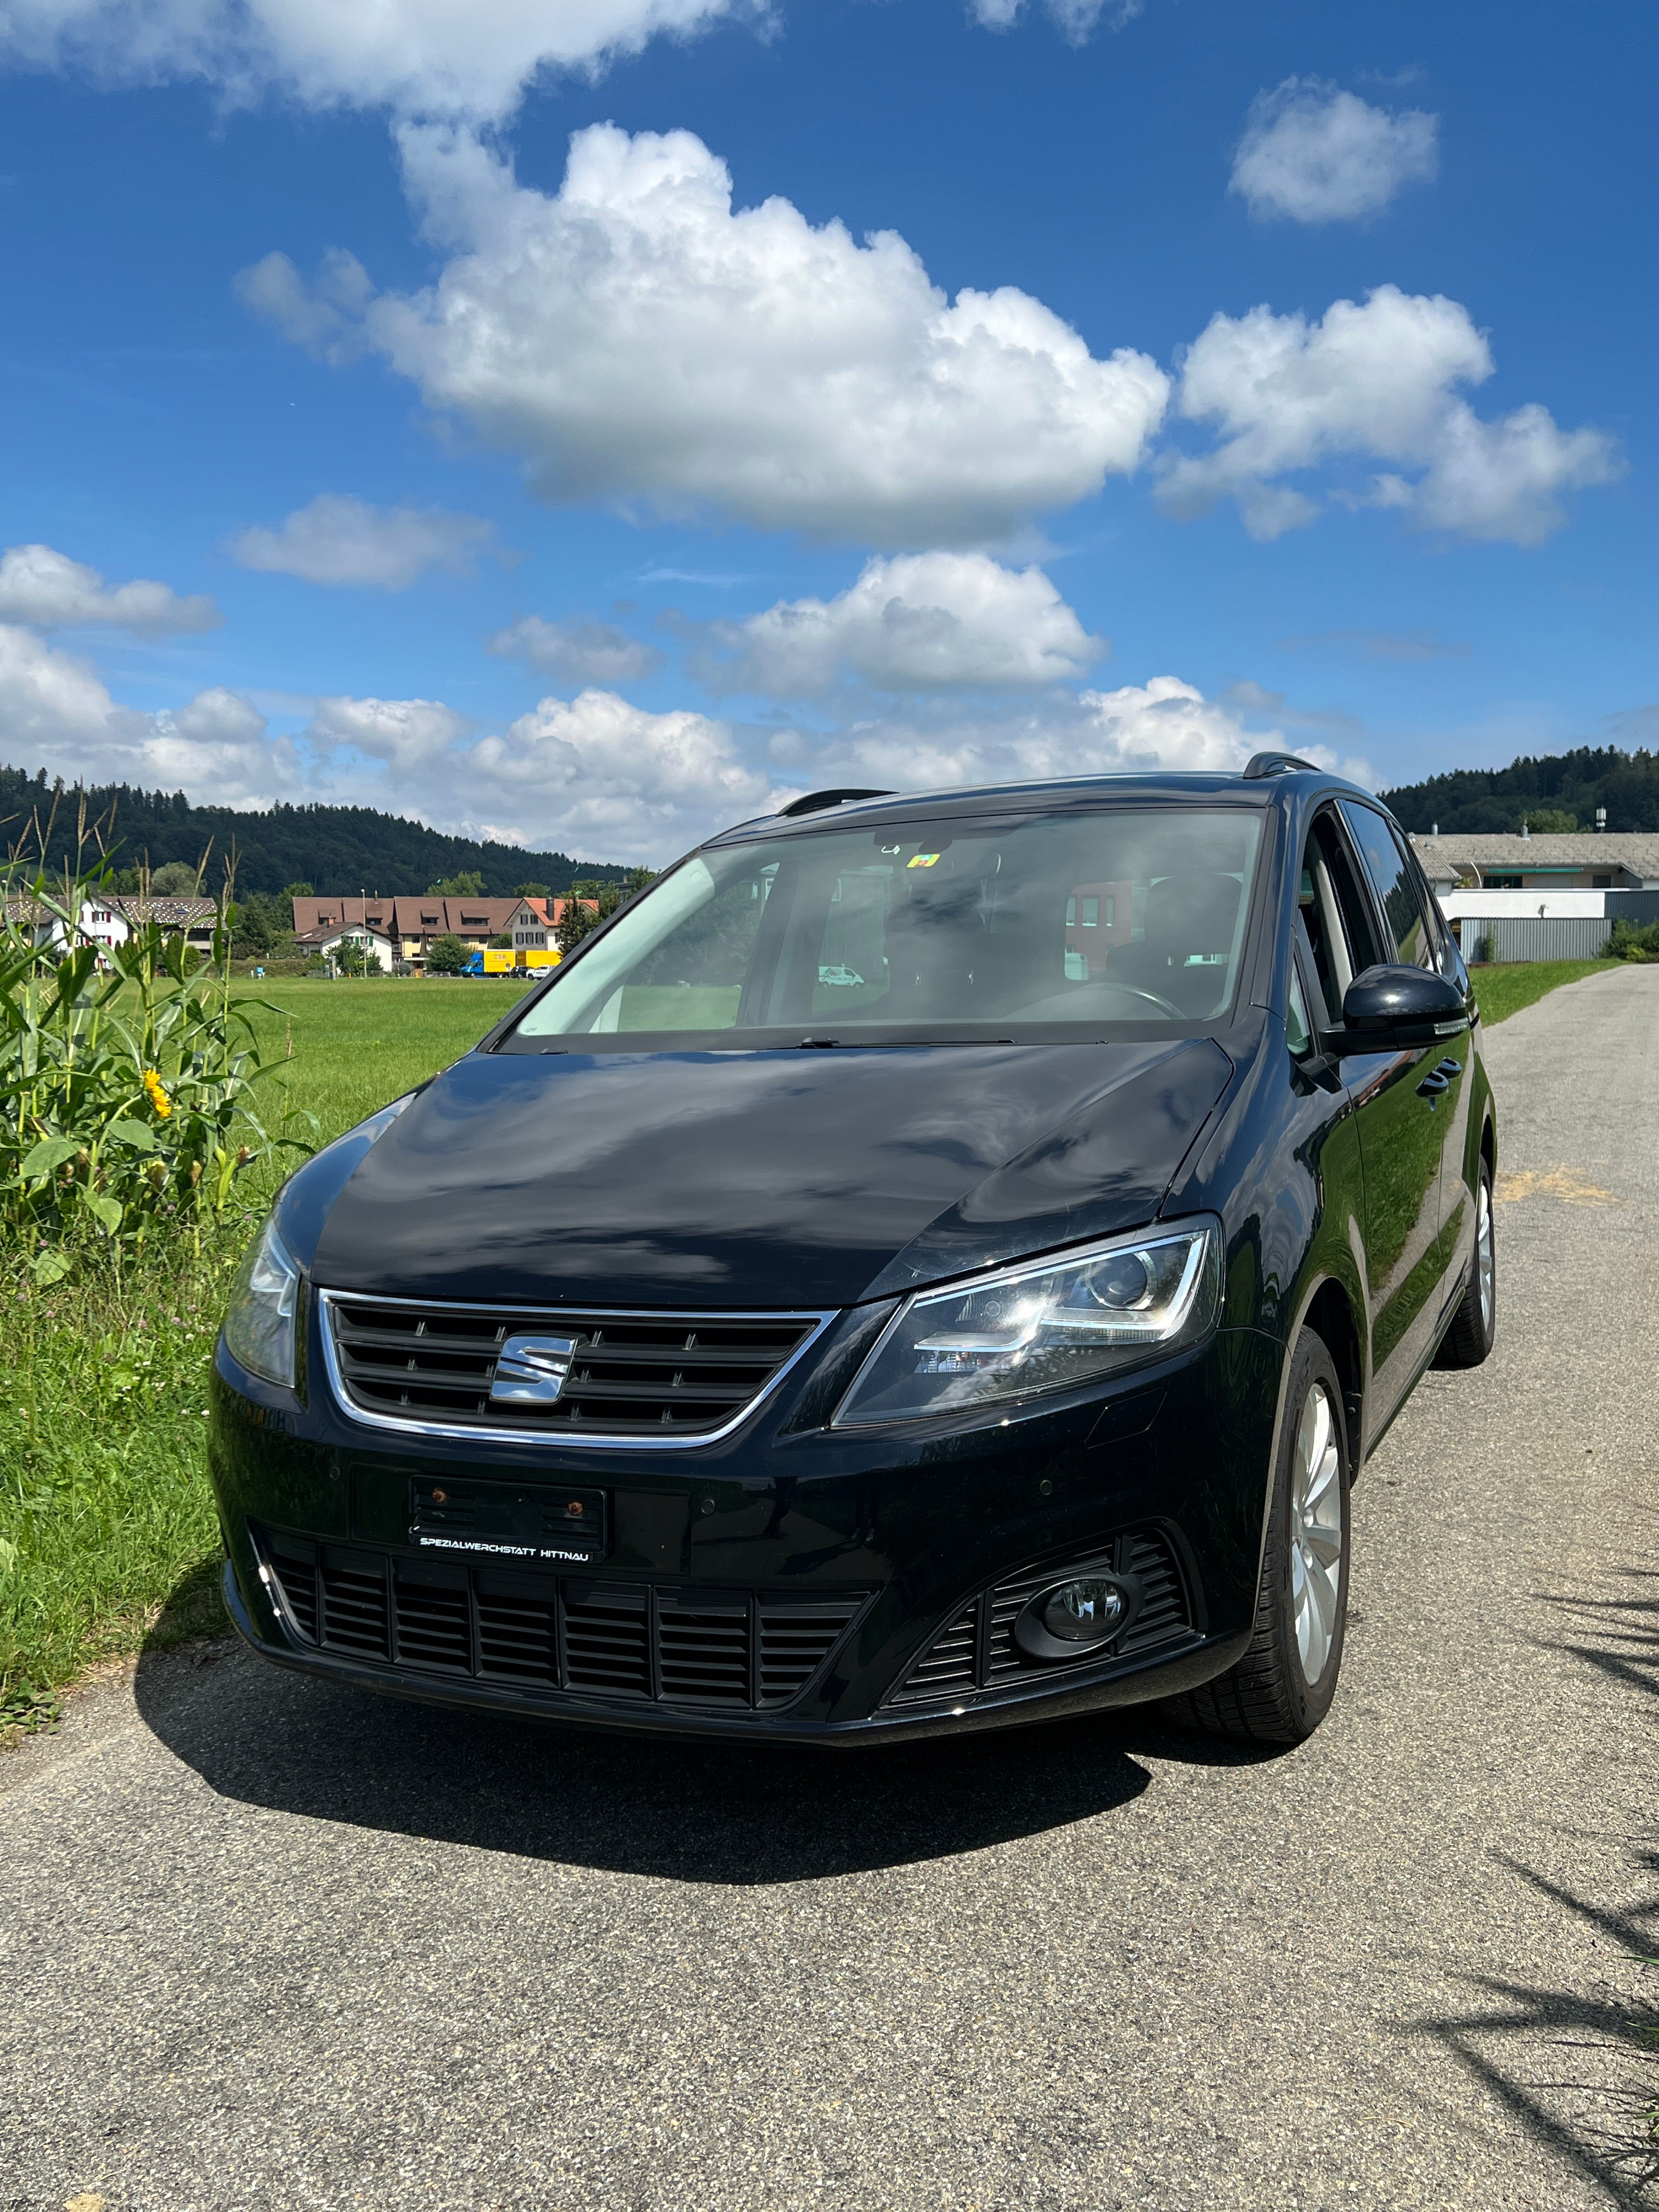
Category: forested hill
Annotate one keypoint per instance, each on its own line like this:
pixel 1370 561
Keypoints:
pixel 1575 783
pixel 337 849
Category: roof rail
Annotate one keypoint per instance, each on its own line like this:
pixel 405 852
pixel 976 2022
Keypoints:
pixel 1275 764
pixel 815 801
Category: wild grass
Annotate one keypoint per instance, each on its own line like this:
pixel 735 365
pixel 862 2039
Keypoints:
pixel 107 1533
pixel 356 1045
pixel 103 1504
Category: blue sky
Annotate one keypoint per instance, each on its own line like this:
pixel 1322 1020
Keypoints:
pixel 597 512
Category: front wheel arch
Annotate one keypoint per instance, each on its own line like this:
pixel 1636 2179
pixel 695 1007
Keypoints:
pixel 1329 1313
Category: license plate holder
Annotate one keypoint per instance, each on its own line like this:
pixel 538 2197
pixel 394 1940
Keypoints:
pixel 541 1523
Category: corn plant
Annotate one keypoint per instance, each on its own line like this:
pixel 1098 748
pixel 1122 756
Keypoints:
pixel 130 1079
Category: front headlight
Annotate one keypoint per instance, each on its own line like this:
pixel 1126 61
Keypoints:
pixel 1041 1328
pixel 260 1327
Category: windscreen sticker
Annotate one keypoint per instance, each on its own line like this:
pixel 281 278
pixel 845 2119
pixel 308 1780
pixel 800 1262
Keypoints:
pixel 921 860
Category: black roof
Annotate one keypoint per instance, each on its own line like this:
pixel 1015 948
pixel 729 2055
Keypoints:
pixel 1057 795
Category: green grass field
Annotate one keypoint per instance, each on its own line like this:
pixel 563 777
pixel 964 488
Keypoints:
pixel 106 1527
pixel 1503 990
pixel 356 1045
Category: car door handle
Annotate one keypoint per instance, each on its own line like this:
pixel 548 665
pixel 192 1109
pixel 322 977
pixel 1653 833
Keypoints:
pixel 1434 1086
pixel 1451 1069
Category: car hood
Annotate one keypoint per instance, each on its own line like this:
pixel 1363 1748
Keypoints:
pixel 775 1179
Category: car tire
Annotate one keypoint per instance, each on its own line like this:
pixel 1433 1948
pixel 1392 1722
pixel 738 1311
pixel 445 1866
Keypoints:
pixel 1281 1689
pixel 1475 1325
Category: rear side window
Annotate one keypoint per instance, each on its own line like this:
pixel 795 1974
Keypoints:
pixel 1358 928
pixel 1392 880
pixel 1334 918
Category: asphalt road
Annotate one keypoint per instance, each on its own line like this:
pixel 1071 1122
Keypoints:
pixel 263 1944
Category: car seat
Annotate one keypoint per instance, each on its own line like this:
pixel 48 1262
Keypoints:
pixel 933 939
pixel 1189 918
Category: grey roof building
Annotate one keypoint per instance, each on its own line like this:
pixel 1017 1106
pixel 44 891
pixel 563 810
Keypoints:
pixel 1580 860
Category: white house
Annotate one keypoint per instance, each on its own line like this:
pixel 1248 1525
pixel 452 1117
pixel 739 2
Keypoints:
pixel 378 948
pixel 111 919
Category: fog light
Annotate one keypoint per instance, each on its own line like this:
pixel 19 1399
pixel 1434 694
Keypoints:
pixel 1084 1612
pixel 1079 1620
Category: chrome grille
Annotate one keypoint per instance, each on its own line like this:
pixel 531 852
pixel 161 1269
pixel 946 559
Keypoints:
pixel 652 1378
pixel 976 1652
pixel 666 1644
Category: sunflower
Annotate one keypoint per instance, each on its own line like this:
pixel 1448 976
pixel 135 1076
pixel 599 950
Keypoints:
pixel 158 1097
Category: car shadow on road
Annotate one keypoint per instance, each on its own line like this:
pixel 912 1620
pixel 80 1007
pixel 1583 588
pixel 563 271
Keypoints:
pixel 1579 2068
pixel 683 1811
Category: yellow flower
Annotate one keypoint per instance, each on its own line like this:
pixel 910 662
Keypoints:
pixel 158 1097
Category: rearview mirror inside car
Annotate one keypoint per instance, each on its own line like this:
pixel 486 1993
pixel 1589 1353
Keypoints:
pixel 1389 1009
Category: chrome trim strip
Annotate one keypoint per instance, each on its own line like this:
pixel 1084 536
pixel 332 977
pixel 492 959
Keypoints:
pixel 599 1440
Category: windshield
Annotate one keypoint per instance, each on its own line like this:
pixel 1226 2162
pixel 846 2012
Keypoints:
pixel 956 930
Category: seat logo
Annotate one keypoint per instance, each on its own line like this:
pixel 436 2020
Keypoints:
pixel 531 1371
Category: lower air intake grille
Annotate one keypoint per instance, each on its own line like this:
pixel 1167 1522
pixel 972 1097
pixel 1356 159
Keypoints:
pixel 637 1642
pixel 977 1652
pixel 629 1374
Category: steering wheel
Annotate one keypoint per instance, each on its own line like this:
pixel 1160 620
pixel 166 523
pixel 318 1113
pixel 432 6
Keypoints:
pixel 1134 991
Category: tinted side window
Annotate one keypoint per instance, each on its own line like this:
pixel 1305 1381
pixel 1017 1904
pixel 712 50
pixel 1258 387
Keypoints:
pixel 1310 928
pixel 1446 953
pixel 1351 902
pixel 1392 880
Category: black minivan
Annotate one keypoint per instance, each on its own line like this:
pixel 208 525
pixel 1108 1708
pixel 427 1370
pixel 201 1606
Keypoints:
pixel 928 1262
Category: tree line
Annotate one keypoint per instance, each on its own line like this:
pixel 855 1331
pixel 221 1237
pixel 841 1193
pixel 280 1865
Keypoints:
pixel 344 849
pixel 1551 792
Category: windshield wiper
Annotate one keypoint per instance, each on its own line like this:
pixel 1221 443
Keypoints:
pixel 894 1044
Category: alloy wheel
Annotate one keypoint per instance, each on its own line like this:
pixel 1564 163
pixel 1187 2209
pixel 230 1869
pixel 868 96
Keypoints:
pixel 1315 1532
pixel 1483 1256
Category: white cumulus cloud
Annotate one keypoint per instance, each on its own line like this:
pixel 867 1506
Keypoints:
pixel 577 652
pixel 338 539
pixel 921 622
pixel 597 775
pixel 471 58
pixel 1374 381
pixel 51 700
pixel 46 589
pixel 1163 723
pixel 633 339
pixel 408 734
pixel 219 751
pixel 57 714
pixel 606 776
pixel 1317 155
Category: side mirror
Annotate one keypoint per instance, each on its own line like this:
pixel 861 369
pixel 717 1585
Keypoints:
pixel 1395 1009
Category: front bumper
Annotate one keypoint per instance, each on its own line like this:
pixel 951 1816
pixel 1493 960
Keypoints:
pixel 1053 1700
pixel 914 1548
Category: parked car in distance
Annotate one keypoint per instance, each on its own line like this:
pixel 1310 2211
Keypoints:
pixel 927 1263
